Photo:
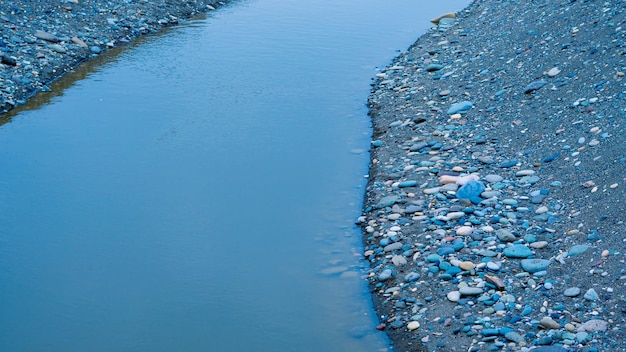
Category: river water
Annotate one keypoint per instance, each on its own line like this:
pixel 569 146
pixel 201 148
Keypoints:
pixel 197 191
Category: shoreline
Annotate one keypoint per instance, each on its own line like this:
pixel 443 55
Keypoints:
pixel 42 41
pixel 494 214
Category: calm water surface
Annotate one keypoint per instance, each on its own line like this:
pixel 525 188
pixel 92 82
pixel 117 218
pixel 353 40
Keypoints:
pixel 197 192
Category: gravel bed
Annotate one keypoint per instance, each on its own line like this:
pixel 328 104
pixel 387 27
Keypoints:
pixel 44 39
pixel 494 214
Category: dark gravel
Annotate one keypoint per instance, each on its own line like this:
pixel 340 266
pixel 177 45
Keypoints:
pixel 42 40
pixel 494 215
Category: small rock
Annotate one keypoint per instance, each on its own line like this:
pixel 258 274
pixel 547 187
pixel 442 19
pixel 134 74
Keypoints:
pixel 591 295
pixel 535 265
pixel 594 325
pixel 553 72
pixel 549 323
pixel 578 249
pixel 460 107
pixel 518 251
pixel 454 296
pixel 470 291
pixel 571 292
pixel 467 266
pixel 413 325
pixel 535 85
pixel 47 36
pixel 464 231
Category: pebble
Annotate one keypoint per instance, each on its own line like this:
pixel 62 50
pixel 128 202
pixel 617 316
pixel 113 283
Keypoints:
pixel 470 291
pixel 518 251
pixel 591 295
pixel 467 266
pixel 553 72
pixel 464 230
pixel 594 325
pixel 549 323
pixel 572 292
pixel 454 296
pixel 413 325
pixel 505 235
pixel 471 190
pixel 578 249
pixel 460 107
pixel 493 178
pixel 535 85
pixel 535 265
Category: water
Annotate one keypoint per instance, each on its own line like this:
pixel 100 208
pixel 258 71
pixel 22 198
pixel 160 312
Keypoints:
pixel 195 192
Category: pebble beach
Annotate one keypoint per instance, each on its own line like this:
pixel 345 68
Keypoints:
pixel 494 214
pixel 41 41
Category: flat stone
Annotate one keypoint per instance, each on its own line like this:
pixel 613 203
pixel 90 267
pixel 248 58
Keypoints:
pixel 454 296
pixel 505 235
pixel 407 184
pixel 387 201
pixel 514 336
pixel 467 265
pixel 571 292
pixel 46 36
pixel 464 231
pixel 549 323
pixel 413 325
pixel 594 325
pixel 553 72
pixel 393 247
pixel 535 265
pixel 577 249
pixel 493 266
pixel 493 178
pixel 539 244
pixel 470 291
pixel 535 85
pixel 433 67
pixel 550 349
pixel 460 107
pixel 518 251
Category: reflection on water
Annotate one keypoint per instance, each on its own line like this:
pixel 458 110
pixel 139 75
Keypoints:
pixel 197 192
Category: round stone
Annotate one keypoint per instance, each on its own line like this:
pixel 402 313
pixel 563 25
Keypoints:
pixel 413 325
pixel 454 296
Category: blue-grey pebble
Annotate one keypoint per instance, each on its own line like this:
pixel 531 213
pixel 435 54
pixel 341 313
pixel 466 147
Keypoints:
pixel 578 249
pixel 518 251
pixel 571 292
pixel 460 107
pixel 591 295
pixel 535 265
